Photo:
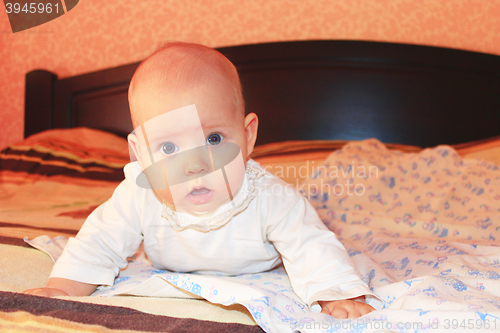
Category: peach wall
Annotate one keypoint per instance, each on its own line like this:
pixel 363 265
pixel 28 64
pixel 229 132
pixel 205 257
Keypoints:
pixel 98 34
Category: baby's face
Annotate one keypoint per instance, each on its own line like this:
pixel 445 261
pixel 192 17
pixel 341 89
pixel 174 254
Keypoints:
pixel 192 146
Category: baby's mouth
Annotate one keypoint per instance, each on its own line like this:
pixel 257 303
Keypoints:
pixel 200 195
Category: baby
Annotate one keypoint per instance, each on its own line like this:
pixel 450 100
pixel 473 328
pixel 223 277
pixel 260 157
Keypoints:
pixel 195 200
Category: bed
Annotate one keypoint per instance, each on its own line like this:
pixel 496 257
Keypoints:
pixel 396 146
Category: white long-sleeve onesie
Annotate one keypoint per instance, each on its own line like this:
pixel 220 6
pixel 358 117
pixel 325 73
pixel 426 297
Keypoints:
pixel 278 225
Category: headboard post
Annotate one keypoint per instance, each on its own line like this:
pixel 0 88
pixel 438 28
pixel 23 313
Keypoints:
pixel 38 99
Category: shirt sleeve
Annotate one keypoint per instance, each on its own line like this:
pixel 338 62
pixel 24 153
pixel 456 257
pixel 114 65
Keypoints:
pixel 317 264
pixel 109 235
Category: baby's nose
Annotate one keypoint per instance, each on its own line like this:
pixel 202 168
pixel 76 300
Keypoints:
pixel 196 163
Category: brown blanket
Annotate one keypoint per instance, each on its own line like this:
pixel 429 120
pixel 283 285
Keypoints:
pixel 21 312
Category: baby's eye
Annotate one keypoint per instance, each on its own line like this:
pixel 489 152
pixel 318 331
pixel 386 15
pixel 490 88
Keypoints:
pixel 214 139
pixel 169 148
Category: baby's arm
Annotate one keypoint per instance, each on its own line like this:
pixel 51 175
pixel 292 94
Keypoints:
pixel 318 265
pixel 347 308
pixel 109 235
pixel 63 287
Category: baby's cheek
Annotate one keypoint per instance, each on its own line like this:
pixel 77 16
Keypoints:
pixel 164 196
pixel 235 172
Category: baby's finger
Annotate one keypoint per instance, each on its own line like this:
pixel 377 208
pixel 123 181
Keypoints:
pixel 46 292
pixel 340 312
pixel 325 310
pixel 37 292
pixel 365 309
pixel 353 313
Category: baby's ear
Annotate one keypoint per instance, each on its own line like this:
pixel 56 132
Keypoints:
pixel 133 147
pixel 251 126
pixel 138 148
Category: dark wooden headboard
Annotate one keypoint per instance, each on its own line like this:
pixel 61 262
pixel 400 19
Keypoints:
pixel 310 90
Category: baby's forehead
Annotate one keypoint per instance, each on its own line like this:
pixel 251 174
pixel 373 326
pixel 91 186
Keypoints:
pixel 152 87
pixel 181 116
pixel 182 122
pixel 189 117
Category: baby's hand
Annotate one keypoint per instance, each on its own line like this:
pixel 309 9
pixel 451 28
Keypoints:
pixel 47 292
pixel 346 308
pixel 63 287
